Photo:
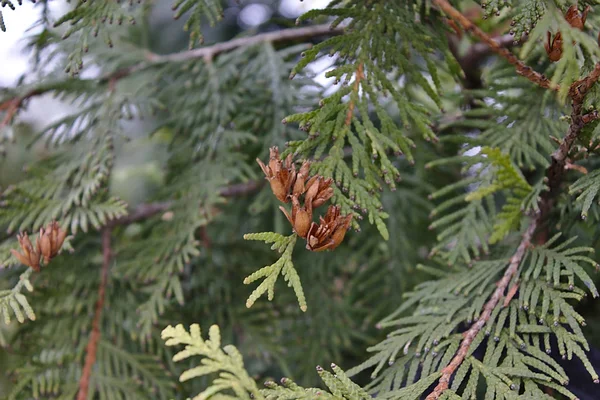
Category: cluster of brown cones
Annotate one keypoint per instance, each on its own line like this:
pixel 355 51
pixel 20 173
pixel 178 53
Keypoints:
pixel 306 193
pixel 575 18
pixel 47 245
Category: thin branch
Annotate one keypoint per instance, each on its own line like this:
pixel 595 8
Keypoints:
pixel 145 211
pixel 489 307
pixel 92 347
pixel 469 26
pixel 556 170
pixel 141 212
pixel 12 106
pixel 242 189
pixel 471 61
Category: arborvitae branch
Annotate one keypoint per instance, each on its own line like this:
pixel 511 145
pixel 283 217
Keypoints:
pixel 92 346
pixel 522 69
pixel 489 307
pixel 554 176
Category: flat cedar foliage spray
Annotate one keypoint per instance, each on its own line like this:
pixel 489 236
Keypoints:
pixel 424 176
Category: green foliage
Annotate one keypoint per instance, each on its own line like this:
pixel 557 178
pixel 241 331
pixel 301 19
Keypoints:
pixel 232 376
pixel 227 362
pixel 505 177
pixel 211 9
pixel 574 58
pixel 89 19
pixel 284 266
pixel 339 384
pixel 423 341
pixel 66 187
pixel 14 300
pixel 160 150
pixel 464 228
pixel 362 121
pixel 511 114
pixel 587 188
pixel 524 16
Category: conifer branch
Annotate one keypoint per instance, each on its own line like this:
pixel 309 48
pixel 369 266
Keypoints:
pixel 92 346
pixel 554 175
pixel 469 336
pixel 495 46
pixel 12 105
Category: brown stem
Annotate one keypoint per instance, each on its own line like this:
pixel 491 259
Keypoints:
pixel 555 173
pixel 359 77
pixel 489 307
pixel 468 26
pixel 12 106
pixel 92 347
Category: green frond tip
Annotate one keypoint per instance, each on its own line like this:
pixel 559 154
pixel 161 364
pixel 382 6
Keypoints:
pixel 340 386
pixel 285 266
pixel 227 361
pixel 14 300
pixel 587 187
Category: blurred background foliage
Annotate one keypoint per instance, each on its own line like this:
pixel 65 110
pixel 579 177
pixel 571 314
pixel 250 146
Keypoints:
pixel 348 290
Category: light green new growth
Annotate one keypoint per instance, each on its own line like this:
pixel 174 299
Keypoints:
pixel 14 300
pixel 284 266
pixel 505 178
pixel 233 378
